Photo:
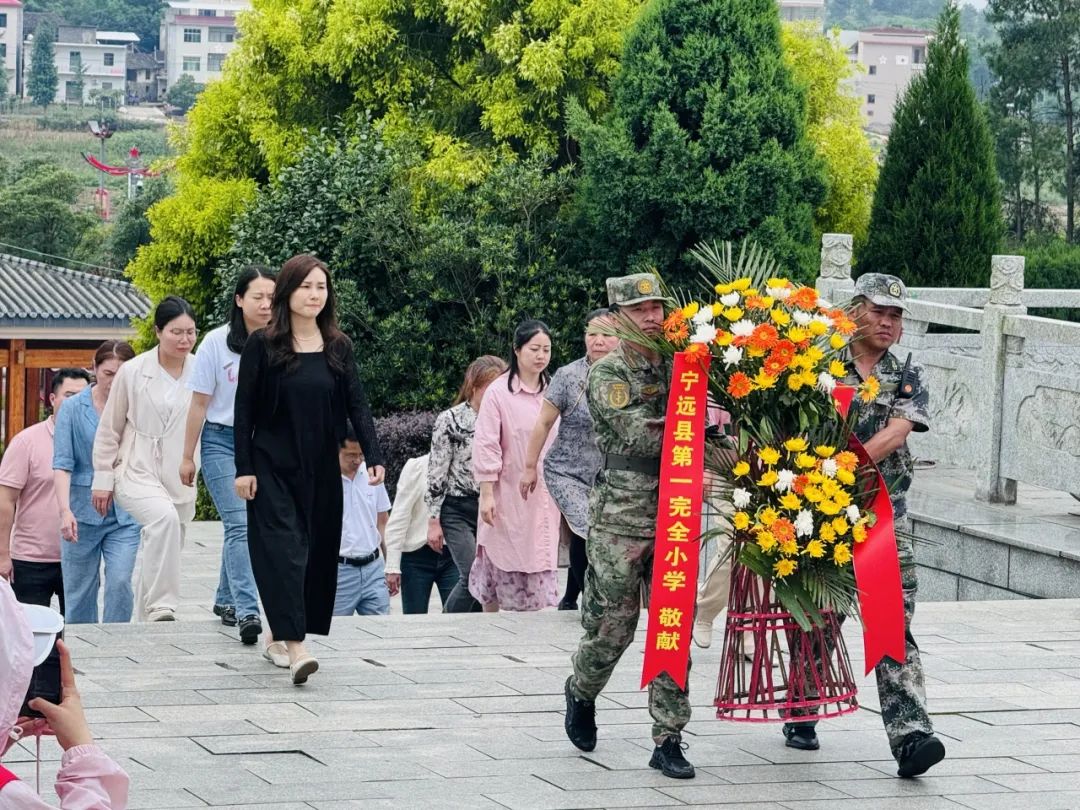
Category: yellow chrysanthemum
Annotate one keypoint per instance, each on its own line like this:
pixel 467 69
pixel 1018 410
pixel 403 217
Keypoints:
pixel 791 501
pixel 767 301
pixel 817 328
pixel 815 548
pixel 808 377
pixel 814 494
pixel 837 342
pixel 837 369
pixel 741 284
pixel 816 477
pixel 741 468
pixel 779 317
pixel 794 382
pixel 830 488
pixel 769 455
pixel 717 309
pixel 805 461
pixel 825 450
pixel 785 567
pixel 768 479
pixel 843 499
pixel 845 477
pixel 829 507
pixel 777 282
pixel 764 381
pixel 741 521
pixel 766 541
pixel 790 546
pixel 841 525
pixel 815 354
pixel 756 351
pixel 869 390
pixel 827 533
pixel 724 338
pixel 723 289
pixel 841 554
pixel 796 445
pixel 690 310
pixel 796 334
pixel 732 313
pixel 858 532
pixel 768 516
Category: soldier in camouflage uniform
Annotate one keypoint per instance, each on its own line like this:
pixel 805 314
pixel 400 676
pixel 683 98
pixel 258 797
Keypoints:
pixel 627 394
pixel 902 406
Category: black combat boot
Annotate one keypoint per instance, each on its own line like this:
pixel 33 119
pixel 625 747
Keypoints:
pixel 919 753
pixel 580 720
pixel 802 737
pixel 668 759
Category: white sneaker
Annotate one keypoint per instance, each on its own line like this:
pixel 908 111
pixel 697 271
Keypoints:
pixel 703 634
pixel 162 615
pixel 276 654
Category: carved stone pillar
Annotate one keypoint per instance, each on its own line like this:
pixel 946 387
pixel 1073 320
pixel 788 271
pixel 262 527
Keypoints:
pixel 834 281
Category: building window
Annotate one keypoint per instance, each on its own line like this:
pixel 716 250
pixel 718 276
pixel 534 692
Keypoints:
pixel 192 35
pixel 71 91
pixel 148 75
pixel 74 61
pixel 106 86
pixel 870 99
pixel 222 34
pixel 873 70
pixel 192 64
pixel 3 20
pixel 110 59
pixel 3 51
pixel 214 62
pixel 918 55
pixel 207 12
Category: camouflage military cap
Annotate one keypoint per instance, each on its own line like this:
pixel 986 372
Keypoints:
pixel 882 290
pixel 633 289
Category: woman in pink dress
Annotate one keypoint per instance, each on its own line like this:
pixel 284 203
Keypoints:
pixel 517 540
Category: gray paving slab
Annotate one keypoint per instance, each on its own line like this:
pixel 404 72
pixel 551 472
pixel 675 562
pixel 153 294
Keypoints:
pixel 466 711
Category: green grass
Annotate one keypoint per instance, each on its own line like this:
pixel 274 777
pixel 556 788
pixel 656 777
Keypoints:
pixel 22 139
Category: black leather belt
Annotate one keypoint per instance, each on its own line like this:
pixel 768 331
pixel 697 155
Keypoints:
pixel 638 464
pixel 359 562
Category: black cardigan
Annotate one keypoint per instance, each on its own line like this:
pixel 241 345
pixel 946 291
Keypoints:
pixel 257 400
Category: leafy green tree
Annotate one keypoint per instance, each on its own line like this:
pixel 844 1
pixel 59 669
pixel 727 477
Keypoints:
pixel 78 84
pixel 183 93
pixel 37 213
pixel 43 81
pixel 143 17
pixel 706 141
pixel 1040 50
pixel 936 217
pixel 3 85
pixel 131 228
pixel 834 125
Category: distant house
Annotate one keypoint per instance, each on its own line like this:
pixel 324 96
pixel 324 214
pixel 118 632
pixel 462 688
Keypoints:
pixel 803 11
pixel 196 36
pixel 143 70
pixel 11 27
pixel 98 58
pixel 890 58
pixel 51 317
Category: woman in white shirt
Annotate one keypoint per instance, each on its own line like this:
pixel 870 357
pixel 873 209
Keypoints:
pixel 137 452
pixel 213 391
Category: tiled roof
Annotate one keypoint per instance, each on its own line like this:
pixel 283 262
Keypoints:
pixel 32 291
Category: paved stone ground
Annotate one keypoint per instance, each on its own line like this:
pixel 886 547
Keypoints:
pixel 466 712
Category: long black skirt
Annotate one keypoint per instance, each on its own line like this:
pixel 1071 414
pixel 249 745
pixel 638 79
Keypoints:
pixel 294 538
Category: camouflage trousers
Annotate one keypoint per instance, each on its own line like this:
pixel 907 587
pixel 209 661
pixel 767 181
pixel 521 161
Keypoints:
pixel 901 687
pixel 618 568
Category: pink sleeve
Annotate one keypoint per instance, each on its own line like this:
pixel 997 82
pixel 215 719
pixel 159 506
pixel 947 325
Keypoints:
pixel 90 780
pixel 20 796
pixel 487 459
pixel 15 466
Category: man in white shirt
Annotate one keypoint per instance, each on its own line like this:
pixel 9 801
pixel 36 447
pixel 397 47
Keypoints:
pixel 361 583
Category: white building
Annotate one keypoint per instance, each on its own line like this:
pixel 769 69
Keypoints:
pixel 196 36
pixel 11 26
pixel 890 57
pixel 803 11
pixel 99 59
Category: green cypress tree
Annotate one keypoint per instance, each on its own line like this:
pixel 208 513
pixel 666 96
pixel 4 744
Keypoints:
pixel 936 218
pixel 43 80
pixel 705 141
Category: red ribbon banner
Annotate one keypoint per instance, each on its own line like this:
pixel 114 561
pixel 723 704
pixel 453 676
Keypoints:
pixel 877 565
pixel 678 523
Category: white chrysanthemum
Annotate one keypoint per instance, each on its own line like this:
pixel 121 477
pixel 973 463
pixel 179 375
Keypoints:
pixel 730 300
pixel 828 467
pixel 706 333
pixel 780 293
pixel 853 513
pixel 703 316
pixel 826 382
pixel 740 498
pixel 804 523
pixel 743 328
pixel 802 318
pixel 732 356
pixel 785 479
pixel 825 319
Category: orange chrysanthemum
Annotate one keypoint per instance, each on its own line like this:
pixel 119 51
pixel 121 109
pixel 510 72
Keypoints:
pixel 800 483
pixel 844 325
pixel 764 337
pixel 846 460
pixel 773 367
pixel 697 352
pixel 803 298
pixel 739 385
pixel 676 329
pixel 783 530
pixel 755 302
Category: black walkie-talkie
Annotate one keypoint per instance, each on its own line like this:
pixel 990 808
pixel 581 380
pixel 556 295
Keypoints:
pixel 905 390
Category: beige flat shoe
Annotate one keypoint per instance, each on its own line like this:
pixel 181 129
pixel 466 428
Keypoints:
pixel 302 668
pixel 276 654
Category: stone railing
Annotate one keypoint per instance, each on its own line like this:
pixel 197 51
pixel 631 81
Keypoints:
pixel 1004 393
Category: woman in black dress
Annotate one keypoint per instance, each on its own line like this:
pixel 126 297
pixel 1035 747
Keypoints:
pixel 297 386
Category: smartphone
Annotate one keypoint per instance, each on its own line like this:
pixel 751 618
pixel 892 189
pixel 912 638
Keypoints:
pixel 44 683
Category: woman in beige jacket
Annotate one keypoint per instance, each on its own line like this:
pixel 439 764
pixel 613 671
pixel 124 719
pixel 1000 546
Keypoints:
pixel 137 454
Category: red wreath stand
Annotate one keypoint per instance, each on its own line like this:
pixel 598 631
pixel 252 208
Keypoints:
pixel 771 669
